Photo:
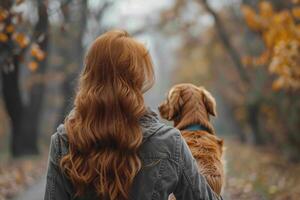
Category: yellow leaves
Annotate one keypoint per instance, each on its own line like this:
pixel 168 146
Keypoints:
pixel 21 39
pixel 3 37
pixel 281 35
pixel 278 84
pixel 32 65
pixel 261 60
pixel 265 9
pixel 285 63
pixel 10 28
pixel 37 52
pixel 252 20
pixel 282 17
pixel 3 14
pixel 296 12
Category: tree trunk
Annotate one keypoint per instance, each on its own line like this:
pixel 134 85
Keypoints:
pixel 74 53
pixel 227 44
pixel 13 103
pixel 253 117
pixel 34 109
pixel 12 96
pixel 25 119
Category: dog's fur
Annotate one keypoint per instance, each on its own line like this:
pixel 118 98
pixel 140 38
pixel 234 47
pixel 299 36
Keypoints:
pixel 186 105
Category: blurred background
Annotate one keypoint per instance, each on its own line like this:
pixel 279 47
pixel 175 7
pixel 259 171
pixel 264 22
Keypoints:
pixel 246 52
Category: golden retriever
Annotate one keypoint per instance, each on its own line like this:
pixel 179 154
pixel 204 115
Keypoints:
pixel 190 107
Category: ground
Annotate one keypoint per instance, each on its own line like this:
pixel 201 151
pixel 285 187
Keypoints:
pixel 253 173
pixel 259 173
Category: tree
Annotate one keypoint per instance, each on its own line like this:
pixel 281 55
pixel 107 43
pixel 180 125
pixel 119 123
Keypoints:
pixel 75 50
pixel 280 34
pixel 13 46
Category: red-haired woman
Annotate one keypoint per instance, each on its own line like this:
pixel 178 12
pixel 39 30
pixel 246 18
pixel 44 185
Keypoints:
pixel 111 146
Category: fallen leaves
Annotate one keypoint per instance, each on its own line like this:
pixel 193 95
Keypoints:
pixel 16 175
pixel 259 173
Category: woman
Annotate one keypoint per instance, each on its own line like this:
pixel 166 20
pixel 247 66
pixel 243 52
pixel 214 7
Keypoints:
pixel 110 145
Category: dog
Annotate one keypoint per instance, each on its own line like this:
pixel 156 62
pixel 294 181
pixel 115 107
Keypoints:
pixel 190 108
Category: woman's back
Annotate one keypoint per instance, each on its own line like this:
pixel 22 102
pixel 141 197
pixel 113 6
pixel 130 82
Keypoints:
pixel 111 146
pixel 167 167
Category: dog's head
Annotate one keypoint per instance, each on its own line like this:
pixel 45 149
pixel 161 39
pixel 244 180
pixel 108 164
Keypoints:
pixel 178 96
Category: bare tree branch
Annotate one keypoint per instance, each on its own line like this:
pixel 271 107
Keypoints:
pixel 226 42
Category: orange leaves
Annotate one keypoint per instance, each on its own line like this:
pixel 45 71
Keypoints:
pixel 21 39
pixel 38 55
pixel 9 20
pixel 281 35
pixel 10 28
pixel 10 37
pixel 253 21
pixel 3 37
pixel 3 14
pixel 265 9
pixel 32 65
pixel 37 52
pixel 296 12
pixel 285 63
pixel 278 84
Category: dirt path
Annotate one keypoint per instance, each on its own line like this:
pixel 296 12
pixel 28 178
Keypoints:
pixel 252 173
pixel 260 173
pixel 35 192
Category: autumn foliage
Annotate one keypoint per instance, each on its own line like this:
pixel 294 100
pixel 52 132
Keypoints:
pixel 17 41
pixel 281 36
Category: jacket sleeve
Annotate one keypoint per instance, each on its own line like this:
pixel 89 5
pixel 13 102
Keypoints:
pixel 191 185
pixel 56 183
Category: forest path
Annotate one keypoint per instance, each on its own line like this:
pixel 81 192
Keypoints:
pixel 252 173
pixel 259 173
pixel 34 192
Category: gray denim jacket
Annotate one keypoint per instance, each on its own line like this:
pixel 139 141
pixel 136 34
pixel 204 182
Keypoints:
pixel 167 167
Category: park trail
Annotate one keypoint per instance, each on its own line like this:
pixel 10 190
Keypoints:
pixel 34 192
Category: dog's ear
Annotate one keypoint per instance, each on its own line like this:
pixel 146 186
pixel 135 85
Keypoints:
pixel 164 110
pixel 170 107
pixel 210 102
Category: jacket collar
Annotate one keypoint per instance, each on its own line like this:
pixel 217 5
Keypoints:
pixel 150 123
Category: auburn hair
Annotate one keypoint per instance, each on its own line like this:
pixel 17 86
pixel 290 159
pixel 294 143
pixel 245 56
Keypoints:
pixel 103 128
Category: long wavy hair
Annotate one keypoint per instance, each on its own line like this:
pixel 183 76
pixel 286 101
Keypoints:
pixel 103 127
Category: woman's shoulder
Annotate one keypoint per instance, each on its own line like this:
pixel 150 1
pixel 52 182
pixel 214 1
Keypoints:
pixel 152 127
pixel 160 140
pixel 59 144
